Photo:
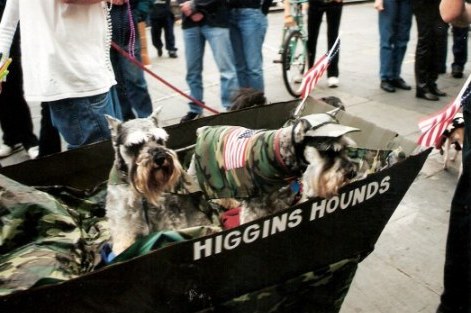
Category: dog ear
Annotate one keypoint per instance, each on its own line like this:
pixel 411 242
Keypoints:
pixel 113 124
pixel 155 116
pixel 300 129
pixel 200 130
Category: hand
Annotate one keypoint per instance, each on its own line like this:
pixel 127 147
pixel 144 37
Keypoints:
pixel 289 21
pixel 197 16
pixel 117 2
pixel 379 5
pixel 186 9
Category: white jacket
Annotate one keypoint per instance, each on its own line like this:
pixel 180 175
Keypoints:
pixel 65 48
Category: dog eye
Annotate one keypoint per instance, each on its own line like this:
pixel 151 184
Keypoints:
pixel 160 141
pixel 134 147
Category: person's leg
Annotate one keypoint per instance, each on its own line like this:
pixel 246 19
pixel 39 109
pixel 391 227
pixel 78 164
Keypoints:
pixel 439 48
pixel 194 52
pixel 333 15
pixel 156 34
pixel 403 18
pixel 82 121
pixel 118 62
pixel 460 50
pixel 424 42
pixel 169 33
pixel 386 22
pixel 441 39
pixel 49 138
pixel 135 85
pixel 237 43
pixel 220 43
pixel 248 29
pixel 15 115
pixel 314 20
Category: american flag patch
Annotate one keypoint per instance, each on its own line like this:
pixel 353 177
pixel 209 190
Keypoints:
pixel 235 147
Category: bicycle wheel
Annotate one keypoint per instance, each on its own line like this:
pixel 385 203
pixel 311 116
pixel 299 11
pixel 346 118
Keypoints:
pixel 294 59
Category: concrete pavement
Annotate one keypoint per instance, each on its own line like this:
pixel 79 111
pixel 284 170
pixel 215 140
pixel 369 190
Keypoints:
pixel 404 273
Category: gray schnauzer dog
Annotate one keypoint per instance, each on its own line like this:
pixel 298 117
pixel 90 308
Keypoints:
pixel 258 166
pixel 143 170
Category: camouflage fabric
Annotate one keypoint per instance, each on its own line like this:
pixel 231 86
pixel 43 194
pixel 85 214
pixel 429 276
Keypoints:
pixel 43 239
pixel 236 162
pixel 322 291
pixel 56 233
pixel 372 160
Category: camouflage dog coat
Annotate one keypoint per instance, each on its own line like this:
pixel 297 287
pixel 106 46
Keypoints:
pixel 236 162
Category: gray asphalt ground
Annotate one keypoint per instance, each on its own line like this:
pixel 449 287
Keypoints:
pixel 404 273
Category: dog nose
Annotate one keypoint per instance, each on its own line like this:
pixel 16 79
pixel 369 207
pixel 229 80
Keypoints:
pixel 159 158
pixel 351 173
pixel 350 170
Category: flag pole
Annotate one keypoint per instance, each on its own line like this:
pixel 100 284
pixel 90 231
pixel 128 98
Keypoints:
pixel 299 109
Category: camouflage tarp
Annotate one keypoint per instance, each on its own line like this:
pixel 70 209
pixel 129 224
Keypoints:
pixel 53 234
pixel 43 239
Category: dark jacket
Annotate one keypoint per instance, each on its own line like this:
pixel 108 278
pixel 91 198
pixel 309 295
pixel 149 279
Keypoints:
pixel 120 19
pixel 215 13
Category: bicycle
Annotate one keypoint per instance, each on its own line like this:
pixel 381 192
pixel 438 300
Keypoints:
pixel 293 50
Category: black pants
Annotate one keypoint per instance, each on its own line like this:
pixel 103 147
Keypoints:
pixel 460 46
pixel 164 23
pixel 15 116
pixel 49 138
pixel 456 297
pixel 333 11
pixel 431 41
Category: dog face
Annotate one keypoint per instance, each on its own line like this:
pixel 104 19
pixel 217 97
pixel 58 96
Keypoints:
pixel 325 154
pixel 141 154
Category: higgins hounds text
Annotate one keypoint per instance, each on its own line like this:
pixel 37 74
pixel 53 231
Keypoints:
pixel 282 222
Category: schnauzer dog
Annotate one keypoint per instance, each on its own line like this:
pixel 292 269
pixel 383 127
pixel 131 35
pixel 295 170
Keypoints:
pixel 258 166
pixel 144 168
pixel 452 136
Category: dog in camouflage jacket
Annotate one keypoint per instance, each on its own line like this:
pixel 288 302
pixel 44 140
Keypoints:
pixel 258 166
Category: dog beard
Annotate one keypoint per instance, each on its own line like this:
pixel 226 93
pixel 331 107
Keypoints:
pixel 151 179
pixel 324 177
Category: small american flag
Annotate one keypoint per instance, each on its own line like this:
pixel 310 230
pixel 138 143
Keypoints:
pixel 235 147
pixel 312 76
pixel 433 126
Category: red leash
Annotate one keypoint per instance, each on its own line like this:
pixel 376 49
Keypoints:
pixel 142 66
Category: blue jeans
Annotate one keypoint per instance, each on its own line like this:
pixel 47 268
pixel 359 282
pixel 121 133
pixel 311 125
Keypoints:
pixel 219 41
pixel 132 86
pixel 248 28
pixel 394 28
pixel 82 121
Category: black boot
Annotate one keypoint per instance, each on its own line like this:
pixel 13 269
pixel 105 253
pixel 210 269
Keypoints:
pixel 434 90
pixel 425 93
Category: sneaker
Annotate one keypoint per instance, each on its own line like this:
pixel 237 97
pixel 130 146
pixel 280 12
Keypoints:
pixel 333 82
pixel 6 150
pixel 33 152
pixel 190 116
pixel 173 54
